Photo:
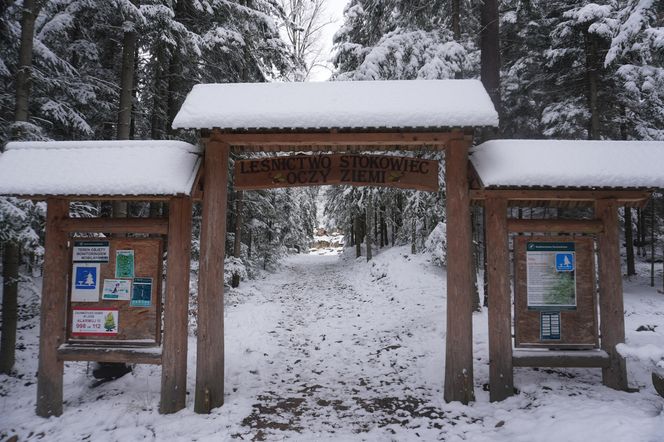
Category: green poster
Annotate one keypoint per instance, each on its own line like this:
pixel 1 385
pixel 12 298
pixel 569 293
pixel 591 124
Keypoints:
pixel 124 263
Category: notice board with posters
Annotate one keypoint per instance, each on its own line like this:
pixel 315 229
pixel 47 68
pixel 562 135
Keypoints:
pixel 555 301
pixel 115 291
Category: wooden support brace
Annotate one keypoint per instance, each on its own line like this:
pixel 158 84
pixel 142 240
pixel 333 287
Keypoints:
pixel 115 225
pixel 176 310
pixel 611 309
pixel 53 311
pixel 459 333
pixel 501 376
pixel 210 343
pixel 555 225
pixel 129 355
pixel 560 358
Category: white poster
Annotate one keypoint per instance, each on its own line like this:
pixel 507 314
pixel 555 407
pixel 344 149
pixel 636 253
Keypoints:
pixel 116 290
pixel 91 251
pixel 85 282
pixel 94 321
pixel 551 279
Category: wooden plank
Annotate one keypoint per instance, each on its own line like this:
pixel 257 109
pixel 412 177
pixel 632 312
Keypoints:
pixel 348 169
pixel 611 309
pixel 459 335
pixel 115 225
pixel 622 196
pixel 560 358
pixel 210 342
pixel 501 376
pixel 131 355
pixel 267 139
pixel 176 307
pixel 555 225
pixel 53 312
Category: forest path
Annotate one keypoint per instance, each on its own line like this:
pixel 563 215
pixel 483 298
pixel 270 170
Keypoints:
pixel 350 347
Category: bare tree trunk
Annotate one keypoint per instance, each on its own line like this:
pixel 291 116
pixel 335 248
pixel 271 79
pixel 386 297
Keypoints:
pixel 382 228
pixel 10 263
pixel 592 74
pixel 475 245
pixel 456 27
pixel 369 232
pixel 352 233
pixel 490 56
pixel 251 237
pixel 358 237
pixel 629 242
pixel 652 242
pixel 11 252
pixel 237 243
pixel 640 232
pixel 126 98
pixel 413 237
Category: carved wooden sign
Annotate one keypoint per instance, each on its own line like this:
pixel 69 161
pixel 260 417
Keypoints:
pixel 349 169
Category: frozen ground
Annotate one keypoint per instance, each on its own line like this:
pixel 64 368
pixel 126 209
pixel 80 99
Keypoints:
pixel 333 348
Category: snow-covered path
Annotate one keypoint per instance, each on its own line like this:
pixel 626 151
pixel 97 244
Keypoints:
pixel 347 350
pixel 331 348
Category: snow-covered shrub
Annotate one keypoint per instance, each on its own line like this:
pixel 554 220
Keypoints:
pixel 233 266
pixel 436 244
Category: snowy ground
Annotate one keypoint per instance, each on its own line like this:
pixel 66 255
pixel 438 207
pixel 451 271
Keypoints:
pixel 333 348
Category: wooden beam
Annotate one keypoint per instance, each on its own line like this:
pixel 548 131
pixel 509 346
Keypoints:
pixel 210 342
pixel 501 376
pixel 138 198
pixel 560 358
pixel 53 312
pixel 622 196
pixel 611 309
pixel 176 308
pixel 459 384
pixel 131 355
pixel 115 225
pixel 336 138
pixel 554 225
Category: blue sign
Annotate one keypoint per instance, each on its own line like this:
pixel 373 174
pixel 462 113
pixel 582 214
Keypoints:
pixel 549 326
pixel 86 278
pixel 565 262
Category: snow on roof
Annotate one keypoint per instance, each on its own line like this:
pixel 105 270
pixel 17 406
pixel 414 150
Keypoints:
pixel 570 163
pixel 338 104
pixel 98 168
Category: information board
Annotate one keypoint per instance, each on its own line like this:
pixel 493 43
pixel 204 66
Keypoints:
pixel 551 279
pixel 555 300
pixel 115 291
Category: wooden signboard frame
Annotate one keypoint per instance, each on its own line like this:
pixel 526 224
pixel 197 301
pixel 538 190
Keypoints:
pixel 137 325
pixel 349 169
pixel 577 326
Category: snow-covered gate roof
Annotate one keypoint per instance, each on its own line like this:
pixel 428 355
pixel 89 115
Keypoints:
pixel 569 164
pixel 398 104
pixel 98 168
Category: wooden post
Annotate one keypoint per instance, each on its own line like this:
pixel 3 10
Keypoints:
pixel 176 308
pixel 501 378
pixel 53 311
pixel 611 310
pixel 210 343
pixel 459 336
